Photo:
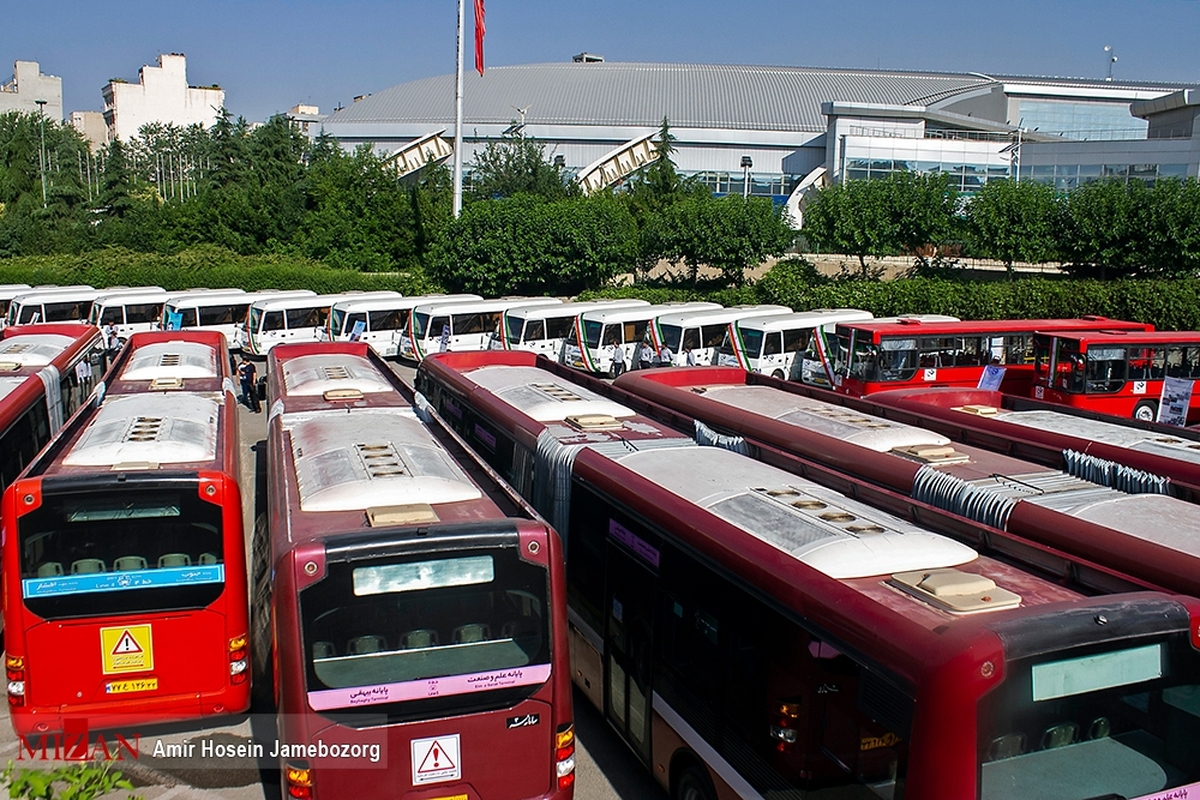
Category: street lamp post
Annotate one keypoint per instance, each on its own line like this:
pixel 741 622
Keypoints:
pixel 747 163
pixel 41 104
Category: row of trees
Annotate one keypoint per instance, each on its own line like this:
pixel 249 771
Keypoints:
pixel 1102 229
pixel 267 190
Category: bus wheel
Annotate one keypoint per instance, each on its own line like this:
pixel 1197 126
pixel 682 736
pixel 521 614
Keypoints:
pixel 1146 411
pixel 693 784
pixel 777 374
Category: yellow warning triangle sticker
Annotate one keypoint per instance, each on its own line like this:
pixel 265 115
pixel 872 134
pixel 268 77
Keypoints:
pixel 126 644
pixel 435 760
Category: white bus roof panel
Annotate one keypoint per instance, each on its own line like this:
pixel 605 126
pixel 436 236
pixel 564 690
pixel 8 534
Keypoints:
pixel 172 359
pixel 10 383
pixel 717 316
pixel 314 375
pixel 347 462
pixel 573 309
pixel 798 319
pixel 172 428
pixel 538 394
pixel 827 531
pixel 1112 433
pixel 33 349
pixel 864 430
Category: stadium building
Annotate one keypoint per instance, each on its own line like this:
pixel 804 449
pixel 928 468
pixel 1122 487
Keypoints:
pixel 775 131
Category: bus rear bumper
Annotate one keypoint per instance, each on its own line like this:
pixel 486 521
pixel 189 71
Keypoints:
pixel 136 713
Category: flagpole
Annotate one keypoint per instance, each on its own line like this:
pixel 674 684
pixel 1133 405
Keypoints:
pixel 458 116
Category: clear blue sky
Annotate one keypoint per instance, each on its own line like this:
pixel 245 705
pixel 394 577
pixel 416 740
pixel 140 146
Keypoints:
pixel 271 54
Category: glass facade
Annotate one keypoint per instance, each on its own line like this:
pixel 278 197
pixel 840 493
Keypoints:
pixel 1065 177
pixel 775 185
pixel 1082 120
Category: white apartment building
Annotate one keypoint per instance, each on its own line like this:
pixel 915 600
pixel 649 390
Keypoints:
pixel 30 91
pixel 162 94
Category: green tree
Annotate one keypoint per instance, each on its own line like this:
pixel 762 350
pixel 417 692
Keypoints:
pixel 923 208
pixel 852 217
pixel 513 166
pixel 1011 221
pixel 525 245
pixel 730 233
pixel 1102 229
pixel 1171 221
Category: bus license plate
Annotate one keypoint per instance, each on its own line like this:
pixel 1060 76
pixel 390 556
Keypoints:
pixel 123 687
pixel 577 363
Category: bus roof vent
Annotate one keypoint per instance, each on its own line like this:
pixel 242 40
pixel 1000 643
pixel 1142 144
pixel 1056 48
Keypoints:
pixel 342 394
pixel 557 391
pixel 411 514
pixel 594 422
pixel 956 591
pixel 170 360
pixel 932 454
pixel 979 410
pixel 166 383
pixel 9 366
pixel 144 429
pixel 381 460
pixel 336 372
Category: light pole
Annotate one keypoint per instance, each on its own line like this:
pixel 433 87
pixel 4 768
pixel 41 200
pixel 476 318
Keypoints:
pixel 41 104
pixel 1112 59
pixel 747 163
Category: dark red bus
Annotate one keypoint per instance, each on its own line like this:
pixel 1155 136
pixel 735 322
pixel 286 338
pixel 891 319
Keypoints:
pixel 123 553
pixel 414 605
pixel 752 634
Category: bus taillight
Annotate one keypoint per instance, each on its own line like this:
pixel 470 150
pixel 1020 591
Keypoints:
pixel 238 663
pixel 784 729
pixel 299 781
pixel 14 667
pixel 564 755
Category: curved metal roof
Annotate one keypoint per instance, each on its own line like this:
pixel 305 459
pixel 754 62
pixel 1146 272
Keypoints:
pixel 611 94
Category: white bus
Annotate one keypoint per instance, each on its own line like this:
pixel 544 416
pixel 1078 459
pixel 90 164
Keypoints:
pixel 129 310
pixel 7 292
pixel 461 325
pixel 60 304
pixel 701 332
pixel 222 310
pixel 788 346
pixel 607 340
pixel 379 321
pixel 543 329
pixel 293 319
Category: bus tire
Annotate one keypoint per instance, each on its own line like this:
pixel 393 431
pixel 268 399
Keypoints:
pixel 1146 411
pixel 777 374
pixel 693 784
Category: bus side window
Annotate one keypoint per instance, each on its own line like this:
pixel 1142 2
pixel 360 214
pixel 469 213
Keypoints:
pixel 689 651
pixel 586 535
pixel 772 344
pixel 535 330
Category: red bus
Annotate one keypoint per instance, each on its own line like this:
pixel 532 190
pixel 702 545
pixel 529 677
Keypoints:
pixel 1115 372
pixel 123 547
pixel 46 372
pixel 752 634
pixel 1081 504
pixel 893 355
pixel 416 604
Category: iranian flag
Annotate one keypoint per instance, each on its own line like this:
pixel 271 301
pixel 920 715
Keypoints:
pixel 480 30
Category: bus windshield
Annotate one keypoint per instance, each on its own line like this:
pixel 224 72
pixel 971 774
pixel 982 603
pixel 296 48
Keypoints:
pixel 1104 723
pixel 379 631
pixel 337 321
pixel 512 328
pixel 591 332
pixel 86 554
pixel 671 335
pixel 751 341
pixel 420 321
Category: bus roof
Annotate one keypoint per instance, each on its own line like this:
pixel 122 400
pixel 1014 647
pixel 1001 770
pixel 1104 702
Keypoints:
pixel 41 295
pixel 311 300
pixel 572 309
pixel 396 303
pixel 718 316
pixel 629 313
pixel 315 374
pixel 130 296
pixel 163 361
pixel 148 429
pixel 915 327
pixel 542 396
pixel 1117 337
pixel 804 319
pixel 493 304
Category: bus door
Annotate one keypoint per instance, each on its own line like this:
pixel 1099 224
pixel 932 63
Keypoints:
pixel 628 639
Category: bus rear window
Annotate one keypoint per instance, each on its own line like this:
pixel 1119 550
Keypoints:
pixel 1103 723
pixel 88 554
pixel 473 625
